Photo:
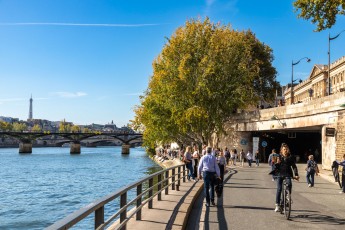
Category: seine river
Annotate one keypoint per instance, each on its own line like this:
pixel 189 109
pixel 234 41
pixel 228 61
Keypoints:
pixel 40 188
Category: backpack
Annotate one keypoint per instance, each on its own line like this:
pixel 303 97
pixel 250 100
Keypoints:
pixel 313 167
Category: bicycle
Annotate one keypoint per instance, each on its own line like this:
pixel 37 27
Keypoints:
pixel 285 200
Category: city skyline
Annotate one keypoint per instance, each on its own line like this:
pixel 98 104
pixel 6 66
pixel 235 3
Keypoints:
pixel 88 61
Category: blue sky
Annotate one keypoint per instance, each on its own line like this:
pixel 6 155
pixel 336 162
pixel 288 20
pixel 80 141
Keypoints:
pixel 87 61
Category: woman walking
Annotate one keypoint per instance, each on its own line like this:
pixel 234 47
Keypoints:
pixel 195 161
pixel 188 160
pixel 221 163
pixel 311 169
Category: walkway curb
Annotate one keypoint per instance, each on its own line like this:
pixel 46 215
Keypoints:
pixel 185 209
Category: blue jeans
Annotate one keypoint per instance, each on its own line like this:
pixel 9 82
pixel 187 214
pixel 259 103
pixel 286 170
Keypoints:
pixel 190 169
pixel 310 178
pixel 257 162
pixel 209 180
pixel 250 163
pixel 280 186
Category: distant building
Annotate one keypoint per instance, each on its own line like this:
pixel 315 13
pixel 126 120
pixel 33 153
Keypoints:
pixel 9 119
pixel 317 85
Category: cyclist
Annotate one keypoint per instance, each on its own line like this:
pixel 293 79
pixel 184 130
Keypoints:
pixel 283 168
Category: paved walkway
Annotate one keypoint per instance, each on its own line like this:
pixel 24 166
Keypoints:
pixel 248 202
pixel 174 210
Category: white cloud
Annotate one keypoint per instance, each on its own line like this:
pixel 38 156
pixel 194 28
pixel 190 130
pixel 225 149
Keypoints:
pixel 69 94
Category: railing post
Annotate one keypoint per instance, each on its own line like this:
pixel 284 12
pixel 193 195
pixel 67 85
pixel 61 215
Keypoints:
pixel 139 191
pixel 99 217
pixel 123 215
pixel 178 178
pixel 184 173
pixel 173 179
pixel 159 197
pixel 166 182
pixel 150 192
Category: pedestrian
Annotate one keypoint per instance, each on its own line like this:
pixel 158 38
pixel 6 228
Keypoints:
pixel 311 169
pixel 342 163
pixel 189 164
pixel 257 157
pixel 221 161
pixel 285 168
pixel 209 170
pixel 195 161
pixel 235 156
pixel 249 158
pixel 242 156
pixel 227 155
pixel 272 159
pixel 232 157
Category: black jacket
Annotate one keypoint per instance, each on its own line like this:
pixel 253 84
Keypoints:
pixel 286 167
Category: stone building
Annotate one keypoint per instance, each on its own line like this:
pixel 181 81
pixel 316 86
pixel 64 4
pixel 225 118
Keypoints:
pixel 313 124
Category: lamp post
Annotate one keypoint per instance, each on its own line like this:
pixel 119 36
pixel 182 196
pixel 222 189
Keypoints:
pixel 292 81
pixel 329 59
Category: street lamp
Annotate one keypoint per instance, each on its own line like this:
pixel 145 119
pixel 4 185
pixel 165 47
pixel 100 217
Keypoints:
pixel 329 59
pixel 292 81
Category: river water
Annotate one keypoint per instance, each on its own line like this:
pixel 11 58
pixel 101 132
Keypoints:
pixel 40 188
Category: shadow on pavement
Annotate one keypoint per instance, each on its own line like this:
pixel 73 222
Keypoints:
pixel 317 218
pixel 222 224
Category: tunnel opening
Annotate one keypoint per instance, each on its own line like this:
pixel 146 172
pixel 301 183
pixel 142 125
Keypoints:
pixel 302 143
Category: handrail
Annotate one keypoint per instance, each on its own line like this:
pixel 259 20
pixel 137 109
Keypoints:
pixel 98 206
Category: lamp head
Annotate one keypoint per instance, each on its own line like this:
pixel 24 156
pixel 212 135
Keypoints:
pixel 308 59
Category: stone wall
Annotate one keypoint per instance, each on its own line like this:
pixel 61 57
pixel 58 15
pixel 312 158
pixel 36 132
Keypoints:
pixel 340 136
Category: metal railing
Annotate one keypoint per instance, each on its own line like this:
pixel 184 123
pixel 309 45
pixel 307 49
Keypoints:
pixel 165 178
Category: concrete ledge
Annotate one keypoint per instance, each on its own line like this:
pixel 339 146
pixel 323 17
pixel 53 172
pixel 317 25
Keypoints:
pixel 185 209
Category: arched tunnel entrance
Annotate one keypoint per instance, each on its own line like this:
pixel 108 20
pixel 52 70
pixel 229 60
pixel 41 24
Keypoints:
pixel 302 143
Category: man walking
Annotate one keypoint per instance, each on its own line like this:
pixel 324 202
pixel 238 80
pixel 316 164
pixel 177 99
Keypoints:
pixel 209 168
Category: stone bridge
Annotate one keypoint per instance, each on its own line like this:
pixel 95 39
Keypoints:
pixel 26 138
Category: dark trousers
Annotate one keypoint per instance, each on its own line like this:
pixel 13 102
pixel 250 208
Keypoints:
pixel 343 181
pixel 280 187
pixel 196 167
pixel 221 168
pixel 190 169
pixel 209 181
pixel 310 178
pixel 250 163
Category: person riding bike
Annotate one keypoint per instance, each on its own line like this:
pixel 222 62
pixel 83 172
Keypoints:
pixel 284 168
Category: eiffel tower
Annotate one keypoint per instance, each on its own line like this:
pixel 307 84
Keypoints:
pixel 30 110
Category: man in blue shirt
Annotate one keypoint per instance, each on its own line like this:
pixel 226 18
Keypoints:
pixel 210 170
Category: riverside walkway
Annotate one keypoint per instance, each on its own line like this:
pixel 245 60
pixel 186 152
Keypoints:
pixel 247 202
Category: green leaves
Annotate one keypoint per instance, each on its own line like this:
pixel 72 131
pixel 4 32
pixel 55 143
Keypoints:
pixel 204 72
pixel 321 12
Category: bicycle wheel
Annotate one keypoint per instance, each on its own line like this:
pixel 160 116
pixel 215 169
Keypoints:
pixel 287 203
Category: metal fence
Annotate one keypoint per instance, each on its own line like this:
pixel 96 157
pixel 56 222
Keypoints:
pixel 164 179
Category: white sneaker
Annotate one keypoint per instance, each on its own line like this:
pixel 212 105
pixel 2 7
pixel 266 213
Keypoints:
pixel 341 192
pixel 277 209
pixel 309 185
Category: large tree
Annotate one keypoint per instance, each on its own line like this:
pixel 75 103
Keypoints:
pixel 321 12
pixel 204 73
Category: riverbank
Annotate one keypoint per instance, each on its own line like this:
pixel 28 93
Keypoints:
pixel 166 163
